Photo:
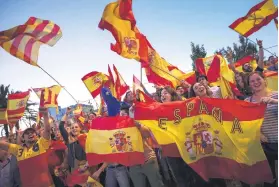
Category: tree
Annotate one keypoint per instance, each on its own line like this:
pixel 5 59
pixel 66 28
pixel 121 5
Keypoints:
pixel 197 52
pixel 244 48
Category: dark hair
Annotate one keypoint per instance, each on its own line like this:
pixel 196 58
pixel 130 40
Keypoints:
pixel 201 76
pixel 246 90
pixel 255 72
pixel 192 92
pixel 125 109
pixel 179 86
pixel 172 92
pixel 270 57
pixel 125 97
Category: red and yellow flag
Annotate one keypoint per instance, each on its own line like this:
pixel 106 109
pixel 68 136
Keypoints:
pixel 24 41
pixel 139 89
pixel 212 137
pixel 94 82
pixel 16 106
pixel 118 18
pixel 3 116
pixel 118 140
pixel 257 17
pixel 120 85
pixel 49 96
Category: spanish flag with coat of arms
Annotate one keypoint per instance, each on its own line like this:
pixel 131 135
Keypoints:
pixel 114 139
pixel 217 141
pixel 16 106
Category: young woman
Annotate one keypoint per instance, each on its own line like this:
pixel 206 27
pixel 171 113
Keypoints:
pixel 269 128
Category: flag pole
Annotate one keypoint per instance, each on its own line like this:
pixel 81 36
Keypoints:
pixel 140 72
pixel 57 82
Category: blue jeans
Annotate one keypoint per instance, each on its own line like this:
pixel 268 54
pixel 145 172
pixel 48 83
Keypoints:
pixel 118 174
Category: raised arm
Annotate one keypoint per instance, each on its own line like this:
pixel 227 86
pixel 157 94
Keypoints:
pixel 261 54
pixel 62 129
pixel 47 129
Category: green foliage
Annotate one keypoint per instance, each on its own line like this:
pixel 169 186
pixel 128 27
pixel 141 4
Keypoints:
pixel 197 52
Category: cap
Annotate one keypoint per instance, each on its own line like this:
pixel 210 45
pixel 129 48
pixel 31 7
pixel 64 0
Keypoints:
pixel 28 129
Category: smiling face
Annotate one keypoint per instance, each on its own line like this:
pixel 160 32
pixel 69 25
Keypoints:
pixel 199 89
pixel 75 129
pixel 129 97
pixel 30 136
pixel 180 90
pixel 165 96
pixel 239 80
pixel 256 82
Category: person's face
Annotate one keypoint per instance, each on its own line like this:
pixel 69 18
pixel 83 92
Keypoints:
pixel 30 136
pixel 129 97
pixel 272 60
pixel 199 89
pixel 247 67
pixel 92 116
pixel 203 81
pixel 256 83
pixel 75 129
pixel 165 96
pixel 123 113
pixel 58 135
pixel 239 80
pixel 180 91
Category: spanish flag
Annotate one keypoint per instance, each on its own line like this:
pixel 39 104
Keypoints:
pixel 118 18
pixel 24 41
pixel 3 116
pixel 112 78
pixel 49 96
pixel 217 141
pixel 139 89
pixel 257 17
pixel 16 106
pixel 120 85
pixel 94 82
pixel 114 139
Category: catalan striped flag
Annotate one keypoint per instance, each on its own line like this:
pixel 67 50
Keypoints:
pixel 16 106
pixel 94 82
pixel 118 18
pixel 118 140
pixel 24 41
pixel 139 89
pixel 212 137
pixel 3 116
pixel 49 96
pixel 258 16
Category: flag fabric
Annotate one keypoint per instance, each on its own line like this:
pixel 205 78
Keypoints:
pixel 3 116
pixel 114 139
pixel 37 91
pixel 247 59
pixel 112 78
pixel 257 17
pixel 212 137
pixel 139 89
pixel 24 41
pixel 120 85
pixel 113 105
pixel 118 18
pixel 49 97
pixel 94 82
pixel 16 106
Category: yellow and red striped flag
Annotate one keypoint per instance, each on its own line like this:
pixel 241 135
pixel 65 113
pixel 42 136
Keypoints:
pixel 94 82
pixel 212 137
pixel 118 18
pixel 120 85
pixel 24 41
pixel 257 17
pixel 139 89
pixel 118 140
pixel 49 96
pixel 3 116
pixel 16 106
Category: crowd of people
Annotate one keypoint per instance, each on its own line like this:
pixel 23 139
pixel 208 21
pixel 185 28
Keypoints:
pixel 63 144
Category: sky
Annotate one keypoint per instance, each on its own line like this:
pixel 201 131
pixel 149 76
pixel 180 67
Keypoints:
pixel 170 26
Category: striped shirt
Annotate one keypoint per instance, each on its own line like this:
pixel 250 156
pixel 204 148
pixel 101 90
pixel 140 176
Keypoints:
pixel 270 123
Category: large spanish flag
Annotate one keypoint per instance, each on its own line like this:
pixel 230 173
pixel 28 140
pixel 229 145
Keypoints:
pixel 114 139
pixel 118 18
pixel 24 41
pixel 94 82
pixel 16 106
pixel 257 17
pixel 3 116
pixel 217 141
